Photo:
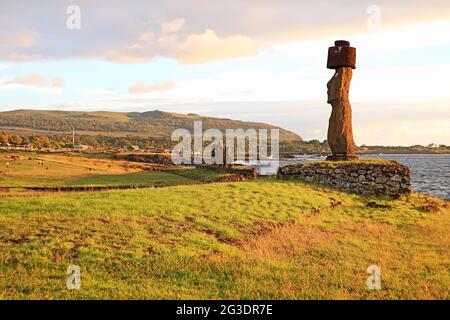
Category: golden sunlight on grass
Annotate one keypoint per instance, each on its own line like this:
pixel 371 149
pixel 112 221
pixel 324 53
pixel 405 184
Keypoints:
pixel 256 239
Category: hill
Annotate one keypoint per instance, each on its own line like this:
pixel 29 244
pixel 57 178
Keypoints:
pixel 152 124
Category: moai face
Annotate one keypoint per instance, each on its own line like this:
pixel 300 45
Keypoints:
pixel 339 85
pixel 333 87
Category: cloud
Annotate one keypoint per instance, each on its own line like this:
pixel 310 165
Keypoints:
pixel 57 82
pixel 191 49
pixel 207 47
pixel 129 58
pixel 140 88
pixel 20 39
pixel 31 80
pixel 194 31
pixel 143 39
pixel 172 26
pixel 36 80
pixel 16 46
pixel 26 39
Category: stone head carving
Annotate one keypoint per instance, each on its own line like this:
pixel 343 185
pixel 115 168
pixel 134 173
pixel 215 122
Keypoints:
pixel 342 58
pixel 339 85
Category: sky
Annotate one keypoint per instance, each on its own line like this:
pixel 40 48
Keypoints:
pixel 255 60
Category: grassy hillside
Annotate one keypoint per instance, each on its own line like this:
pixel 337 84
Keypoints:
pixel 155 124
pixel 248 240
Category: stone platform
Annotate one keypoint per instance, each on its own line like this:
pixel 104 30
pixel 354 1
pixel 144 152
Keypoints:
pixel 371 177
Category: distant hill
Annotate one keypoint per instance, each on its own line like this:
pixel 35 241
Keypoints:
pixel 49 128
pixel 156 123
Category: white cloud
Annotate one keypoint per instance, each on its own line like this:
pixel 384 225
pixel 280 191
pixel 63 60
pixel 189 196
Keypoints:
pixel 207 46
pixel 34 82
pixel 194 49
pixel 31 80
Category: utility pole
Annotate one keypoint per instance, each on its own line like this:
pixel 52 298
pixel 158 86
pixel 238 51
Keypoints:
pixel 73 138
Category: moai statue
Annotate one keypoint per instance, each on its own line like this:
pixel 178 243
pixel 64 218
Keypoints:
pixel 342 58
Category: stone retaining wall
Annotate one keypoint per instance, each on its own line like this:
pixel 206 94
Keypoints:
pixel 387 177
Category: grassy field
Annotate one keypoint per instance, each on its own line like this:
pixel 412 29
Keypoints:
pixel 264 239
pixel 25 170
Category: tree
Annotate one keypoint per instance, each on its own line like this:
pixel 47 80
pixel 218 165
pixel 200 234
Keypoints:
pixel 4 138
pixel 16 140
pixel 44 141
pixel 89 140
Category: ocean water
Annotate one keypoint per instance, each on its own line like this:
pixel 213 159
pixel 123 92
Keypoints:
pixel 430 172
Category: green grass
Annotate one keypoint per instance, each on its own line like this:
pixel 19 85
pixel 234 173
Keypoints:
pixel 333 164
pixel 87 170
pixel 199 173
pixel 167 177
pixel 135 178
pixel 250 240
pixel 28 173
